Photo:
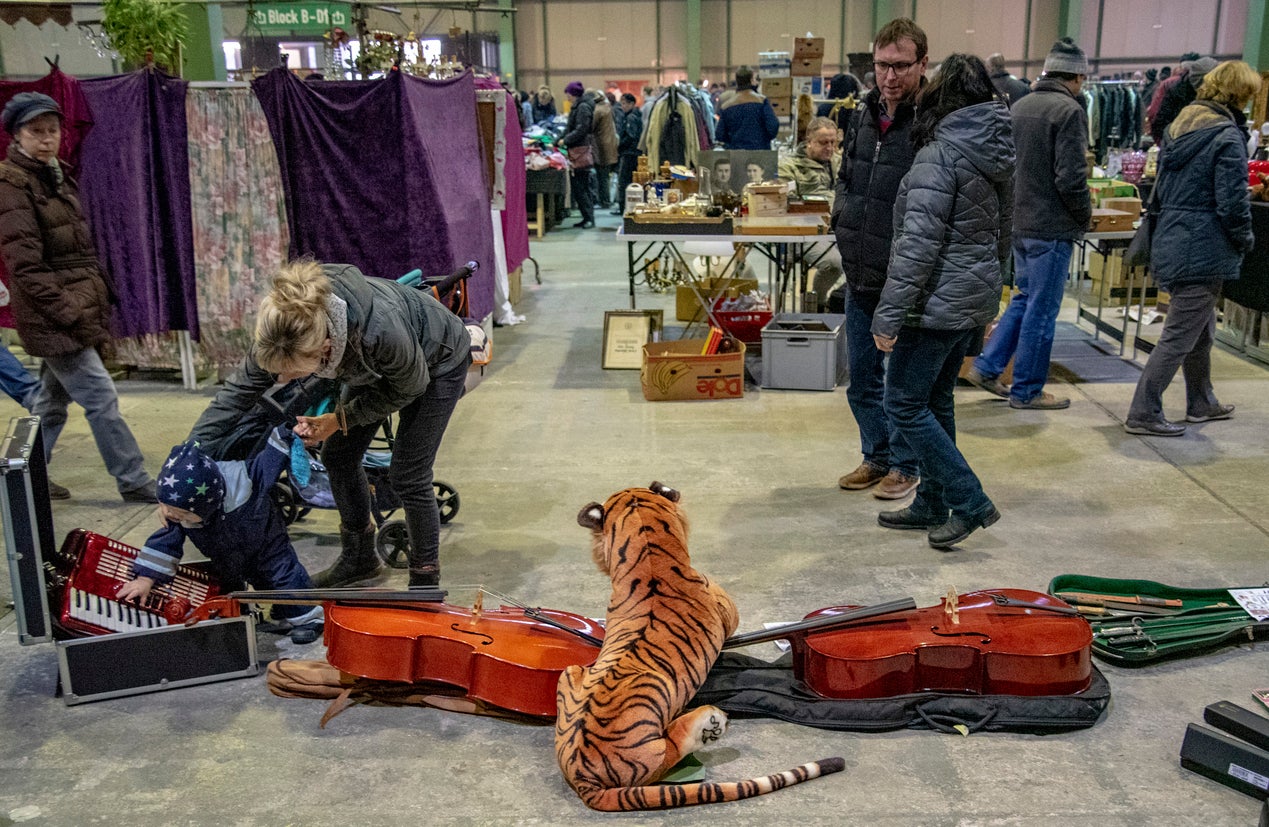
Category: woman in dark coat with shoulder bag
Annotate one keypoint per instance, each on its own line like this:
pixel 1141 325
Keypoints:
pixel 394 349
pixel 580 133
pixel 61 295
pixel 952 235
pixel 1202 234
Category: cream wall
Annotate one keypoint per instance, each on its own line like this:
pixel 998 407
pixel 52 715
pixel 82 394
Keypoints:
pixel 1134 34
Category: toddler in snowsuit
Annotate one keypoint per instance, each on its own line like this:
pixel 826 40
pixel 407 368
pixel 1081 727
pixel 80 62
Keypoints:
pixel 226 510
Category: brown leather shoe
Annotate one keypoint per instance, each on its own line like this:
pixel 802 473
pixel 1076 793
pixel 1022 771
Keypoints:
pixel 865 476
pixel 896 486
pixel 1044 402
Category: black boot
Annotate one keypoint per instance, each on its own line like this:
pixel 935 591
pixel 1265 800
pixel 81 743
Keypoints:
pixel 424 577
pixel 358 560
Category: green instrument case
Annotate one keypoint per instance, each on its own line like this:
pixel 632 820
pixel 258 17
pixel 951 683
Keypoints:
pixel 1205 620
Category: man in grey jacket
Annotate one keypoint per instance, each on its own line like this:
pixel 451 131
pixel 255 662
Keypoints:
pixel 1051 211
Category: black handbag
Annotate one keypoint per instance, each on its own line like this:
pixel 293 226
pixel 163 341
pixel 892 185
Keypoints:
pixel 1138 252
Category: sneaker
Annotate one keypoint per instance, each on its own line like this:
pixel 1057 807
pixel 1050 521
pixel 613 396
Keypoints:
pixel 905 519
pixel 58 492
pixel 992 385
pixel 1045 401
pixel 1161 428
pixel 141 494
pixel 1219 412
pixel 865 476
pixel 896 485
pixel 957 528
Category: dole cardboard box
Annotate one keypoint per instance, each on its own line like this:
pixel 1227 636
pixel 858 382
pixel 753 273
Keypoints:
pixel 677 371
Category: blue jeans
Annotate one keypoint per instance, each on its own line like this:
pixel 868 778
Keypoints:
pixel 17 381
pixel 80 377
pixel 919 383
pixel 865 392
pixel 420 426
pixel 1025 331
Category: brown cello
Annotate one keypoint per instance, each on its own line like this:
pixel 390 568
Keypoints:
pixel 992 642
pixel 507 657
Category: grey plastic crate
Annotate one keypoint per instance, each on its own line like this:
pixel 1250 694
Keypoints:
pixel 804 351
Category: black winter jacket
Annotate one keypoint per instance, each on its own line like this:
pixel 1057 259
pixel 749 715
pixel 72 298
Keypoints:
pixel 1050 131
pixel 398 339
pixel 581 124
pixel 952 221
pixel 1204 227
pixel 873 164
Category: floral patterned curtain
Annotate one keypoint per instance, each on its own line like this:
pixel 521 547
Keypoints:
pixel 240 229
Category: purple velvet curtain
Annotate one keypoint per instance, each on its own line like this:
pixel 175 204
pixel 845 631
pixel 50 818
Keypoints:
pixel 383 174
pixel 134 179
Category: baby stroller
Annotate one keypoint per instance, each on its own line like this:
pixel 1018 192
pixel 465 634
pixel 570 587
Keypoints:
pixel 313 396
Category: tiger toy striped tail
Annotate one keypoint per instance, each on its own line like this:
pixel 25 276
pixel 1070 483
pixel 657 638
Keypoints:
pixel 620 724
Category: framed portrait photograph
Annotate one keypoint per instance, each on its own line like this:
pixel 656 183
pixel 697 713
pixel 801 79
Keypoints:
pixel 731 169
pixel 625 334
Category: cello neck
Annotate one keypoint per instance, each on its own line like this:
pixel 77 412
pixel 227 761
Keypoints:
pixel 820 624
pixel 306 597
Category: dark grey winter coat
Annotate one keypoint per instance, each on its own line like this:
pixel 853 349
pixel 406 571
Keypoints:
pixel 1204 227
pixel 398 339
pixel 952 226
pixel 1050 131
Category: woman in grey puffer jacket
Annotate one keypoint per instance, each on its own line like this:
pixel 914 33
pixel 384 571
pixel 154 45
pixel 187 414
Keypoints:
pixel 952 235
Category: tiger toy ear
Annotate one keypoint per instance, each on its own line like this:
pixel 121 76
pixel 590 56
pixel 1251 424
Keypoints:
pixel 665 491
pixel 592 517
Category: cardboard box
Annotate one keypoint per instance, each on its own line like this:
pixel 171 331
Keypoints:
pixel 1117 295
pixel 783 108
pixel 1112 221
pixel 1099 188
pixel 804 351
pixel 777 88
pixel 813 86
pixel 677 371
pixel 806 67
pixel 1128 205
pixel 1112 270
pixel 688 309
pixel 808 47
pixel 773 64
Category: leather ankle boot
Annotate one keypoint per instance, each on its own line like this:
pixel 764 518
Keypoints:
pixel 357 561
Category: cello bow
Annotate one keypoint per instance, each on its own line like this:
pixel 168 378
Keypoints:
pixel 820 624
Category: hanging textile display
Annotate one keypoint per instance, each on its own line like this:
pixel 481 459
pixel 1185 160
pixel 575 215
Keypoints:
pixel 76 121
pixel 134 179
pixel 383 174
pixel 239 217
pixel 509 183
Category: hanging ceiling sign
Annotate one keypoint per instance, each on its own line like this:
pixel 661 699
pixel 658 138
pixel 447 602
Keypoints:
pixel 300 18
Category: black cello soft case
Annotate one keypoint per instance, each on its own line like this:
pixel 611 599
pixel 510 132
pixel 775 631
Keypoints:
pixel 747 687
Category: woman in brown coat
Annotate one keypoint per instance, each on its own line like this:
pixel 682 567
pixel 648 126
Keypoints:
pixel 605 147
pixel 61 299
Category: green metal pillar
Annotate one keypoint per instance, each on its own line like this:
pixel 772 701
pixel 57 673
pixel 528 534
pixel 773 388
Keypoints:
pixel 507 44
pixel 693 41
pixel 1256 41
pixel 1070 15
pixel 204 51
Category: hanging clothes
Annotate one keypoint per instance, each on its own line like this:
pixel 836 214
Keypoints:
pixel 671 126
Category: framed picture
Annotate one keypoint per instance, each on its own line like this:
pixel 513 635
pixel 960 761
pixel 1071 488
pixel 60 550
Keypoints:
pixel 625 334
pixel 731 169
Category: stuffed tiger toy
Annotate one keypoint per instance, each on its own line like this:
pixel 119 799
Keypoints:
pixel 618 727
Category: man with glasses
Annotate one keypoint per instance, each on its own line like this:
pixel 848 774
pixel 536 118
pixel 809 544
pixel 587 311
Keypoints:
pixel 813 169
pixel 876 154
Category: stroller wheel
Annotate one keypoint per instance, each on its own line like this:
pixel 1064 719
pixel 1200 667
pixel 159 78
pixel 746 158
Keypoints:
pixel 287 502
pixel 392 542
pixel 446 500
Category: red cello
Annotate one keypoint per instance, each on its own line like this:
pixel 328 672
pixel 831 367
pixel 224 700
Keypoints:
pixel 511 658
pixel 992 642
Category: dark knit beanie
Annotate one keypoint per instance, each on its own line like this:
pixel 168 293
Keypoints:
pixel 1066 57
pixel 192 481
pixel 575 89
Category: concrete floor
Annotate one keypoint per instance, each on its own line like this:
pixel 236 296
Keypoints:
pixel 548 432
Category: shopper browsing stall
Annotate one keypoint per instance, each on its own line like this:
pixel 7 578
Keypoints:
pixel 813 168
pixel 875 157
pixel 952 223
pixel 579 139
pixel 1203 232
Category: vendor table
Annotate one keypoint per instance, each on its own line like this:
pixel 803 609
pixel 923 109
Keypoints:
pixel 549 188
pixel 1247 297
pixel 787 254
pixel 1106 244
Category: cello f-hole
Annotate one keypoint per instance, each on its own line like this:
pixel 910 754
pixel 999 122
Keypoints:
pixel 985 637
pixel 488 641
